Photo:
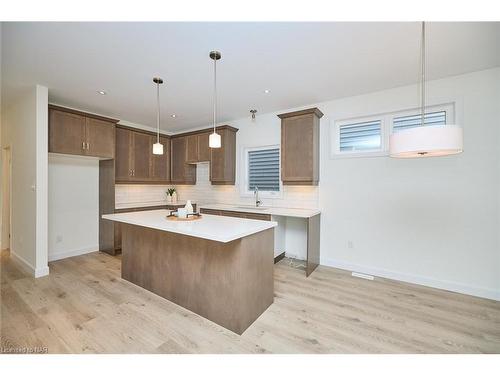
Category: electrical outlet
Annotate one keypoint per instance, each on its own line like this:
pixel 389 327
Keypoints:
pixel 350 245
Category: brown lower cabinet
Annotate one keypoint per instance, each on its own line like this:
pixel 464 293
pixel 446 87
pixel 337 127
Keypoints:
pixel 243 215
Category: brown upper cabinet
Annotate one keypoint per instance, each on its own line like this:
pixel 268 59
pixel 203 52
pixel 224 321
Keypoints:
pixel 197 149
pixel 223 160
pixel 182 173
pixel 300 147
pixel 135 162
pixel 203 148
pixel 78 133
pixel 160 164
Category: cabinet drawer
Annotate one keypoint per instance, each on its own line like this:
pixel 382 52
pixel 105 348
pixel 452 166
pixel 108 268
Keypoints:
pixel 209 211
pixel 233 214
pixel 264 217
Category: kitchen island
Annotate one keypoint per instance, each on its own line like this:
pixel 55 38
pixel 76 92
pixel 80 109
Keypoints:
pixel 218 267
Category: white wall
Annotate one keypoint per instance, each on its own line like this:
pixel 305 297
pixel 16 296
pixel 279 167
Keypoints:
pixel 73 227
pixel 430 221
pixel 25 129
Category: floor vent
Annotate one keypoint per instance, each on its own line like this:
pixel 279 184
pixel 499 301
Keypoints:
pixel 362 276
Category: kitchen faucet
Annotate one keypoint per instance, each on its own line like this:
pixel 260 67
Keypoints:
pixel 256 193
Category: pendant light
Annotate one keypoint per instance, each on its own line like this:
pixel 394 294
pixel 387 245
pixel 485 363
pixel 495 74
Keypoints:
pixel 426 140
pixel 214 140
pixel 158 147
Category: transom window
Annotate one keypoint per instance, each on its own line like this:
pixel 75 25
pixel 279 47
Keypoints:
pixel 360 136
pixel 369 136
pixel 412 121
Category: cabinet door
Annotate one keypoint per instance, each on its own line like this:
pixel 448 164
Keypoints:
pixel 223 159
pixel 181 173
pixel 100 138
pixel 123 162
pixel 192 148
pixel 142 152
pixel 203 148
pixel 66 133
pixel 160 164
pixel 297 149
pixel 217 163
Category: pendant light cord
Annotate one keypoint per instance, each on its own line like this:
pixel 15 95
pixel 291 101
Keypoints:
pixel 215 91
pixel 422 62
pixel 158 114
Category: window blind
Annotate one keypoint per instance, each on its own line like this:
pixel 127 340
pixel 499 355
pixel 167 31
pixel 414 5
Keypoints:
pixel 360 136
pixel 264 169
pixel 407 122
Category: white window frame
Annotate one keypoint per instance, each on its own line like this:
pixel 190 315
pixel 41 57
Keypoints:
pixel 358 153
pixel 449 108
pixel 244 178
pixel 386 128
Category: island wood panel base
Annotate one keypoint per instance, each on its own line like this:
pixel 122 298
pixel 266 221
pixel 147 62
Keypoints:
pixel 230 284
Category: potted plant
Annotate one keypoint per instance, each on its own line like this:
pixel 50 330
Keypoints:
pixel 171 195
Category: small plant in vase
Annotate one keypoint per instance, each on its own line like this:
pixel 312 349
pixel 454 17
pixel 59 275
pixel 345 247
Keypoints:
pixel 171 195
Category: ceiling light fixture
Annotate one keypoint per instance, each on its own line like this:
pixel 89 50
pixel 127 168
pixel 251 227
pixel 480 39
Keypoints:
pixel 214 140
pixel 102 92
pixel 266 91
pixel 173 115
pixel 426 140
pixel 158 147
pixel 253 112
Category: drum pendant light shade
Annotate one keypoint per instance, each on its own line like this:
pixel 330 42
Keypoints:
pixel 426 141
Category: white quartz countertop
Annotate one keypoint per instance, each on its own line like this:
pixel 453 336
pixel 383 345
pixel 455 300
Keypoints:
pixel 277 211
pixel 209 227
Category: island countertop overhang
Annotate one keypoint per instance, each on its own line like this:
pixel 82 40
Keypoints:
pixel 210 227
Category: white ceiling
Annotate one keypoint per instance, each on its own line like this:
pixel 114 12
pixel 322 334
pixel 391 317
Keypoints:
pixel 300 63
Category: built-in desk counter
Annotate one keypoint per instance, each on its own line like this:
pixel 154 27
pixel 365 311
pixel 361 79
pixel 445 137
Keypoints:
pixel 311 224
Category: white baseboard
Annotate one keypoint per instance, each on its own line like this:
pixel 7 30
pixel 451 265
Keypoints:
pixel 35 272
pixel 414 279
pixel 72 253
pixel 40 272
pixel 25 265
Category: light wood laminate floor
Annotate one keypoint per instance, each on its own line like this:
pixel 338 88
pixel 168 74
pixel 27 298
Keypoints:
pixel 84 306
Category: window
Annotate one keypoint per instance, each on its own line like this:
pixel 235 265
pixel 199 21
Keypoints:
pixel 369 136
pixel 412 121
pixel 360 136
pixel 263 170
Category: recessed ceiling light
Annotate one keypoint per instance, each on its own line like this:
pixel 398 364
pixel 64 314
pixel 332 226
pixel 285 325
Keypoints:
pixel 102 92
pixel 266 91
pixel 173 115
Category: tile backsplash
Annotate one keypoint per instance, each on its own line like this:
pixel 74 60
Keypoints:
pixel 203 192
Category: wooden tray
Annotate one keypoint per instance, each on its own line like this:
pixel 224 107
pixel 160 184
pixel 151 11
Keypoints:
pixel 189 218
